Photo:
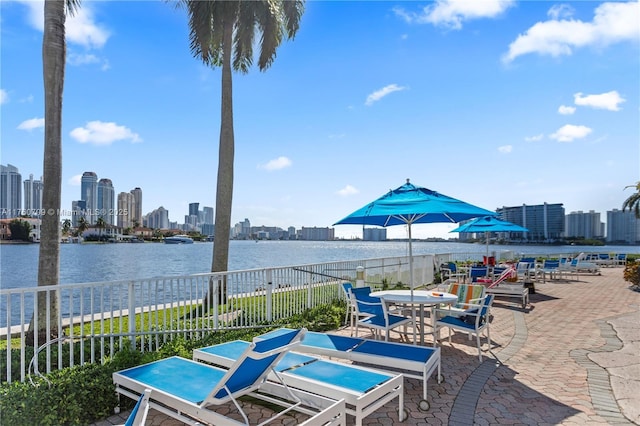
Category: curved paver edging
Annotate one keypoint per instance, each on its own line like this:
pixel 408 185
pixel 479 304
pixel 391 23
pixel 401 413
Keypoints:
pixel 602 397
pixel 464 406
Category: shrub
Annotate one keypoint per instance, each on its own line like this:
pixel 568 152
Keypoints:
pixel 632 273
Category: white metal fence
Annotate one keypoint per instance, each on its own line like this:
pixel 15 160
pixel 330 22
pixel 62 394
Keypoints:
pixel 97 319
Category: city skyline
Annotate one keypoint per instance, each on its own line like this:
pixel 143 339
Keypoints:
pixel 581 224
pixel 505 104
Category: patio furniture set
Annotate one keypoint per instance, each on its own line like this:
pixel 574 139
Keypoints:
pixel 294 369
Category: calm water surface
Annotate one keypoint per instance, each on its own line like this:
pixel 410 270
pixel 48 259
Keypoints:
pixel 111 262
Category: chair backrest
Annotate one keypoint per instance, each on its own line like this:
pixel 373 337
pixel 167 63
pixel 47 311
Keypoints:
pixel 476 272
pixel 255 363
pixel 452 267
pixel 466 293
pixel 347 286
pixel 486 306
pixel 550 264
pixel 529 260
pixel 365 303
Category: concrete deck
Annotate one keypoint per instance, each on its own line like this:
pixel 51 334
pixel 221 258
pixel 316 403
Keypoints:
pixel 572 357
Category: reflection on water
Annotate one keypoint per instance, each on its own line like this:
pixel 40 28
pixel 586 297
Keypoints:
pixel 113 262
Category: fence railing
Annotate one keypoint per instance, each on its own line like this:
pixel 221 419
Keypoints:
pixel 97 319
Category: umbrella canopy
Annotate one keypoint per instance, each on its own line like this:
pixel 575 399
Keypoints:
pixel 488 224
pixel 410 204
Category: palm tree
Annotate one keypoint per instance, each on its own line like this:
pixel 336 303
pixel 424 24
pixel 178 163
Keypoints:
pixel 82 226
pixel 53 62
pixel 66 226
pixel 219 31
pixel 633 202
pixel 100 224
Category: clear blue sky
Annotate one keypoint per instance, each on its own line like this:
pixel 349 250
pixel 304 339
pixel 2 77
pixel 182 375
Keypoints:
pixel 497 103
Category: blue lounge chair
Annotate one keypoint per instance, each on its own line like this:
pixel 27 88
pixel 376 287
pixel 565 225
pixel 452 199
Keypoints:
pixel 364 390
pixel 138 415
pixel 190 391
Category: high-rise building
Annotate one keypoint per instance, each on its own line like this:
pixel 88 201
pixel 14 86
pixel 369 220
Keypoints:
pixel 374 234
pixel 622 227
pixel 545 222
pixel 10 192
pixel 78 209
pixel 193 209
pixel 125 209
pixel 208 218
pixel 584 225
pixel 136 217
pixel 89 194
pixel 158 219
pixel 106 201
pixel 317 234
pixel 33 196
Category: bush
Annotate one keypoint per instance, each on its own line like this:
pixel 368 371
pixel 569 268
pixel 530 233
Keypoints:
pixel 632 273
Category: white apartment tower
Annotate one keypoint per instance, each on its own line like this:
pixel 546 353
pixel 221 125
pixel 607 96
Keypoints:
pixel 10 192
pixel 33 196
pixel 106 201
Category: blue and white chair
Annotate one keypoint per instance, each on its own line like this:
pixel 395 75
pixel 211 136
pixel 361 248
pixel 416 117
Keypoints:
pixel 474 321
pixel 372 312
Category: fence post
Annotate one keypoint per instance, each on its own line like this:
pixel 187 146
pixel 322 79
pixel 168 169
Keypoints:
pixel 360 276
pixel 269 294
pixel 132 315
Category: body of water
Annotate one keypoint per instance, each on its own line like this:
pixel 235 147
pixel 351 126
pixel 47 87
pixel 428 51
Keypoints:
pixel 81 263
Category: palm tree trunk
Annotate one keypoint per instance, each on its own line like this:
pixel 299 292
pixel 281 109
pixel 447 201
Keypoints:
pixel 224 188
pixel 53 58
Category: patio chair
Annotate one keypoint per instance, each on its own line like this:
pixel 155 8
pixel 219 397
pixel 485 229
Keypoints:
pixel 475 321
pixel 476 272
pixel 138 415
pixel 364 390
pixel 351 310
pixel 468 294
pixel 620 259
pixel 373 313
pixel 190 391
pixel 551 268
pixel 449 271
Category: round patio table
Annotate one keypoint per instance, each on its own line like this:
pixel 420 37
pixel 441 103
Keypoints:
pixel 421 298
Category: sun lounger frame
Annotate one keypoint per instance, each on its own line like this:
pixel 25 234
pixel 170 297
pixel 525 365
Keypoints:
pixel 358 404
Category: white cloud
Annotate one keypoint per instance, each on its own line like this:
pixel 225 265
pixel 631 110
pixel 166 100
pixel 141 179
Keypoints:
pixel 559 11
pixel 33 123
pixel 535 138
pixel 381 93
pixel 505 149
pixel 612 23
pixel 452 13
pixel 609 100
pixel 75 180
pixel 4 96
pixel 347 190
pixel 80 28
pixel 101 133
pixel 569 132
pixel 566 110
pixel 277 164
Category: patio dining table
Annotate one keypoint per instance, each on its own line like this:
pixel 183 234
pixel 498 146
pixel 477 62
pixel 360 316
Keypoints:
pixel 420 298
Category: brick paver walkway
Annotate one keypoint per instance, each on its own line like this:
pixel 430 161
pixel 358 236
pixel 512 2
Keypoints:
pixel 571 358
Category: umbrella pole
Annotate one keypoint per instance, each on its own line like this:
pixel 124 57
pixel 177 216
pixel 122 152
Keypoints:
pixel 413 307
pixel 487 234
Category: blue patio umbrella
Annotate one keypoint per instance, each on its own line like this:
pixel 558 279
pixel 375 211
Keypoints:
pixel 410 204
pixel 489 224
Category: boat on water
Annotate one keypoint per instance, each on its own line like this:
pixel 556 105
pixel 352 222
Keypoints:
pixel 178 239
